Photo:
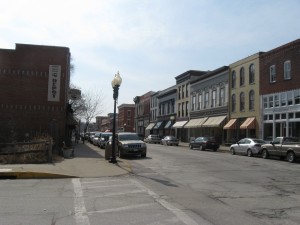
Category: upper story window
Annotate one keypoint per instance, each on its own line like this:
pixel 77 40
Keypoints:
pixel 182 108
pixel 290 98
pixel 251 100
pixel 233 79
pixel 265 102
pixel 182 91
pixel 129 113
pixel 214 99
pixel 272 74
pixel 179 92
pixel 206 100
pixel 200 103
pixel 233 103
pixel 179 107
pixel 251 74
pixel 193 103
pixel 242 101
pixel 283 99
pixel 187 90
pixel 222 96
pixel 186 108
pixel 287 70
pixel 242 76
pixel 271 101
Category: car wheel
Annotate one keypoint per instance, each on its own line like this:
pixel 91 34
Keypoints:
pixel 191 146
pixel 143 155
pixel 249 153
pixel 290 157
pixel 232 151
pixel 265 154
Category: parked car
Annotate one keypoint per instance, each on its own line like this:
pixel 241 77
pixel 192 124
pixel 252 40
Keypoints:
pixel 91 136
pixel 96 138
pixel 153 138
pixel 130 144
pixel 283 147
pixel 204 143
pixel 103 139
pixel 170 140
pixel 247 146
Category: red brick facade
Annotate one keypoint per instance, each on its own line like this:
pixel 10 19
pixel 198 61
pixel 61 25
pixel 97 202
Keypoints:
pixel 277 57
pixel 25 108
pixel 126 117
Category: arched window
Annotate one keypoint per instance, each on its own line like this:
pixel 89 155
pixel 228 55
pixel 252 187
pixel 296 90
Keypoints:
pixel 242 101
pixel 251 74
pixel 251 100
pixel 242 76
pixel 233 103
pixel 233 79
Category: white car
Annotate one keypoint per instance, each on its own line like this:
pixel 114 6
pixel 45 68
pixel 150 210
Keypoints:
pixel 247 146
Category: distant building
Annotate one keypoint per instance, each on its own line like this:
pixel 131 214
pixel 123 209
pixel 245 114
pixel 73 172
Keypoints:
pixel 34 84
pixel 126 118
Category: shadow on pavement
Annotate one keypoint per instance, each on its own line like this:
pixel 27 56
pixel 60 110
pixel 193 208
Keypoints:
pixel 84 151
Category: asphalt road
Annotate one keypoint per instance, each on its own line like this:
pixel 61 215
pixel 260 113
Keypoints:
pixel 173 185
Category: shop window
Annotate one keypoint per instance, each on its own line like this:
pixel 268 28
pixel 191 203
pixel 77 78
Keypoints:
pixel 271 104
pixel 265 102
pixel 291 115
pixel 277 116
pixel 297 97
pixel 290 98
pixel 276 100
pixel 271 117
pixel 283 116
pixel 283 99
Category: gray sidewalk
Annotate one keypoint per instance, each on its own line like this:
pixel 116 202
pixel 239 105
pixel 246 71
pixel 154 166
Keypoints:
pixel 87 162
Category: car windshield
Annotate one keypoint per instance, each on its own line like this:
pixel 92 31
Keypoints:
pixel 208 139
pixel 129 137
pixel 170 137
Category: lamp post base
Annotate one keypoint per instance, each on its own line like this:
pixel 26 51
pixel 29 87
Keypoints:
pixel 113 160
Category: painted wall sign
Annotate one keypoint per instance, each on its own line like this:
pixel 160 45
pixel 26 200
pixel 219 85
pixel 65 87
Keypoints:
pixel 54 83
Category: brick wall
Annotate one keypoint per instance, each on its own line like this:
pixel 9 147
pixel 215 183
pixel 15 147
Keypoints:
pixel 277 57
pixel 24 105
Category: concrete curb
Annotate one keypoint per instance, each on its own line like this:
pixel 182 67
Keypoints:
pixel 32 175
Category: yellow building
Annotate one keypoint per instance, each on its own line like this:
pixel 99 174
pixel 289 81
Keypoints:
pixel 244 103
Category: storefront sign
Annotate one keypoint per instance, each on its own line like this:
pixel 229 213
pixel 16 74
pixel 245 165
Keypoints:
pixel 54 83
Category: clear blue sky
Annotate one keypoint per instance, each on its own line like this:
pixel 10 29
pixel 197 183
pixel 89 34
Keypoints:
pixel 149 42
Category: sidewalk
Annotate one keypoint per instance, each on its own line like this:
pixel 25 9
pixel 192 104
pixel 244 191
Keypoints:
pixel 87 162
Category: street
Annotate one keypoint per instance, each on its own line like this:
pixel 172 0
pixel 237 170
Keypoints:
pixel 173 185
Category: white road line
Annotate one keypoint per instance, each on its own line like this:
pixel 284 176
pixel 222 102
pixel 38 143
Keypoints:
pixel 117 193
pixel 81 217
pixel 122 208
pixel 181 215
pixel 108 186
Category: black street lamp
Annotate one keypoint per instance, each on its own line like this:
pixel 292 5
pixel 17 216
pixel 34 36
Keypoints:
pixel 116 83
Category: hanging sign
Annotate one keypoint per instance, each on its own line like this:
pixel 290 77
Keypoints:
pixel 54 83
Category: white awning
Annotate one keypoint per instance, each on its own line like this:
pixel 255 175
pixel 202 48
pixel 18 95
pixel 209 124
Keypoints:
pixel 194 123
pixel 150 126
pixel 179 124
pixel 214 121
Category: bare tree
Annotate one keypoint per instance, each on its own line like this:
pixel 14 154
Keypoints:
pixel 89 106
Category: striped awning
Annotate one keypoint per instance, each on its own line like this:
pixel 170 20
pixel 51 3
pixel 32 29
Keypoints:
pixel 231 125
pixel 194 123
pixel 150 126
pixel 249 123
pixel 179 124
pixel 214 121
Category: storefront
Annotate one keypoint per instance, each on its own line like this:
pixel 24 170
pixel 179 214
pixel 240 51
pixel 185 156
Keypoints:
pixel 281 114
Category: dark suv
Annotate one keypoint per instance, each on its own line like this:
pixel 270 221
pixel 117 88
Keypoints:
pixel 130 144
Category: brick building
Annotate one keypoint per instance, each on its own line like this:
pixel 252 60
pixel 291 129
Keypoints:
pixel 126 117
pixel 34 82
pixel 280 91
